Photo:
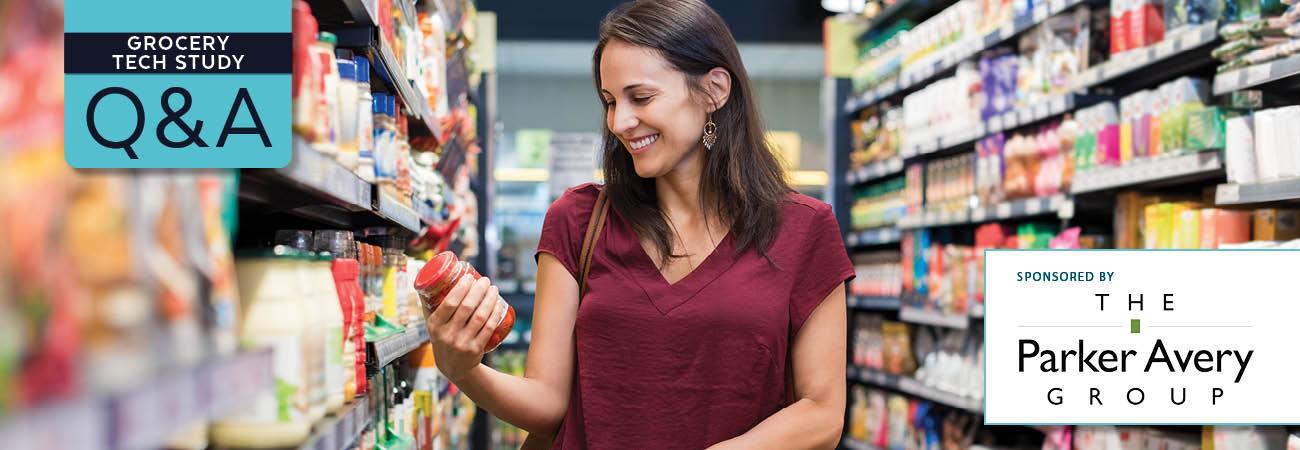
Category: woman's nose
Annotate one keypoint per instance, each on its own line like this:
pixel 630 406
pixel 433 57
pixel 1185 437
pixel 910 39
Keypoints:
pixel 623 120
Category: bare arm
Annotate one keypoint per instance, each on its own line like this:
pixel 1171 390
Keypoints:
pixel 537 401
pixel 816 419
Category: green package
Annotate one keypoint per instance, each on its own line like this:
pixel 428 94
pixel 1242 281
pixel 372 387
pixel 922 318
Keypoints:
pixel 1205 128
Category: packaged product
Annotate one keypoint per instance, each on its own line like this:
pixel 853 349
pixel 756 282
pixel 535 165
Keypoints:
pixel 1239 149
pixel 1276 224
pixel 897 351
pixel 1205 129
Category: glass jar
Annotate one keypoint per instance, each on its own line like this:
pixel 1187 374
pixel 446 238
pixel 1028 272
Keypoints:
pixel 438 276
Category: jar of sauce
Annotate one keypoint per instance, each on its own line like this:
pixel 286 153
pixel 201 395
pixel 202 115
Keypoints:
pixel 436 279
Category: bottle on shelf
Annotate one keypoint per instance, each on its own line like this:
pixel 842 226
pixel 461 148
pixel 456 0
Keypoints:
pixel 273 304
pixel 326 116
pixel 345 270
pixel 365 119
pixel 327 302
pixel 306 73
pixel 348 93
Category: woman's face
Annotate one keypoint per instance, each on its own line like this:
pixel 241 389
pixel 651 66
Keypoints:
pixel 649 107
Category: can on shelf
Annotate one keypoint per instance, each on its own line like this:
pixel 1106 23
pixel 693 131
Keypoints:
pixel 436 279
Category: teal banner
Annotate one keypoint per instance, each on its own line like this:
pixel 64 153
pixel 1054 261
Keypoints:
pixel 167 84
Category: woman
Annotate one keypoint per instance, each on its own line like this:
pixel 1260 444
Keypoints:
pixel 714 315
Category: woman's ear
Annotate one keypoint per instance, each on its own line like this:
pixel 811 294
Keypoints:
pixel 718 85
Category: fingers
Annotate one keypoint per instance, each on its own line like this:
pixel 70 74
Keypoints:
pixel 470 303
pixel 451 301
pixel 492 315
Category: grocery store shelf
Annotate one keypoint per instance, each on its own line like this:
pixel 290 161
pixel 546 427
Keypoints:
pixel 1165 169
pixel 147 416
pixel 415 105
pixel 385 63
pixel 1284 72
pixel 397 212
pixel 875 170
pixel 1051 107
pixel 1058 204
pixel 345 12
pixel 317 187
pixel 871 237
pixel 323 176
pixel 854 444
pixel 911 386
pixel 919 75
pixel 341 431
pixel 1269 191
pixel 1147 62
pixel 930 317
pixel 390 348
pixel 428 214
pixel 874 303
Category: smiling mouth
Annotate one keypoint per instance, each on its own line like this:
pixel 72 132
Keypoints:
pixel 643 142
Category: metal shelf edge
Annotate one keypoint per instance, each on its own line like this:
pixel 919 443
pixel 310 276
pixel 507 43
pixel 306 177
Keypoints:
pixel 927 317
pixel 1139 173
pixel 1263 192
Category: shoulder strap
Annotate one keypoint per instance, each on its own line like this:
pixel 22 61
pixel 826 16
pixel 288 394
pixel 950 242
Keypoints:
pixel 594 226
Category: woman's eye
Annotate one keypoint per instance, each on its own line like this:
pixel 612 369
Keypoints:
pixel 641 100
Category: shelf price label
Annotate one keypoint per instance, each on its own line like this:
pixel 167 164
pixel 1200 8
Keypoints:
pixel 140 94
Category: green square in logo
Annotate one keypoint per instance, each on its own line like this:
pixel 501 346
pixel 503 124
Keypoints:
pixel 1134 326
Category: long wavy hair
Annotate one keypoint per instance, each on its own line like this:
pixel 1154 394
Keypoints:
pixel 742 176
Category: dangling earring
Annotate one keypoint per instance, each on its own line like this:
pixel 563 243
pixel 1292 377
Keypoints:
pixel 710 133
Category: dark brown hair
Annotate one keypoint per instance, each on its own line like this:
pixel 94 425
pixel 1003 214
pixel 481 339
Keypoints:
pixel 741 174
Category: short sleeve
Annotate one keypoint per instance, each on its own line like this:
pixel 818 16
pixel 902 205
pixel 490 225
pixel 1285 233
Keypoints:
pixel 825 266
pixel 565 223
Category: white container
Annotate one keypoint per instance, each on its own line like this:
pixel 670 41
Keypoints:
pixel 365 116
pixel 327 302
pixel 314 342
pixel 346 102
pixel 1267 160
pixel 1239 136
pixel 273 304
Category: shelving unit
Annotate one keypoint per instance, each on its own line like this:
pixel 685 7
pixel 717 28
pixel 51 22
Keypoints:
pixel 870 237
pixel 1264 192
pixel 1184 51
pixel 923 316
pixel 874 303
pixel 1039 111
pixel 854 444
pixel 1191 44
pixel 318 188
pixel 915 78
pixel 1173 168
pixel 1058 204
pixel 146 416
pixel 341 431
pixel 1283 73
pixel 390 348
pixel 875 171
pixel 911 386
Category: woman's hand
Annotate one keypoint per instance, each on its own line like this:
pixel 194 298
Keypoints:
pixel 461 326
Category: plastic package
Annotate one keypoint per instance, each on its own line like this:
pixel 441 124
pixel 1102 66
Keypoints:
pixel 1239 153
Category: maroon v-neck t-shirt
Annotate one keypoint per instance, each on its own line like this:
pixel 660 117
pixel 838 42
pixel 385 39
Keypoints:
pixel 693 363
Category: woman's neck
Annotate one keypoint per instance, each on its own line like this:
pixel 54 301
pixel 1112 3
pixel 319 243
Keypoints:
pixel 679 193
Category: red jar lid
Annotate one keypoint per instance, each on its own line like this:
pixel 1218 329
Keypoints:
pixel 437 270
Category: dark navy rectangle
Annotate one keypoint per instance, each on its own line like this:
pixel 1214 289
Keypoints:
pixel 92 53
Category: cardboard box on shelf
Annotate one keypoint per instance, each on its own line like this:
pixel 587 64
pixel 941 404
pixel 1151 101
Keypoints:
pixel 1276 224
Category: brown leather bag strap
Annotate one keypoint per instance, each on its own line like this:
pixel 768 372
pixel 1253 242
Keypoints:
pixel 595 225
pixel 544 441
